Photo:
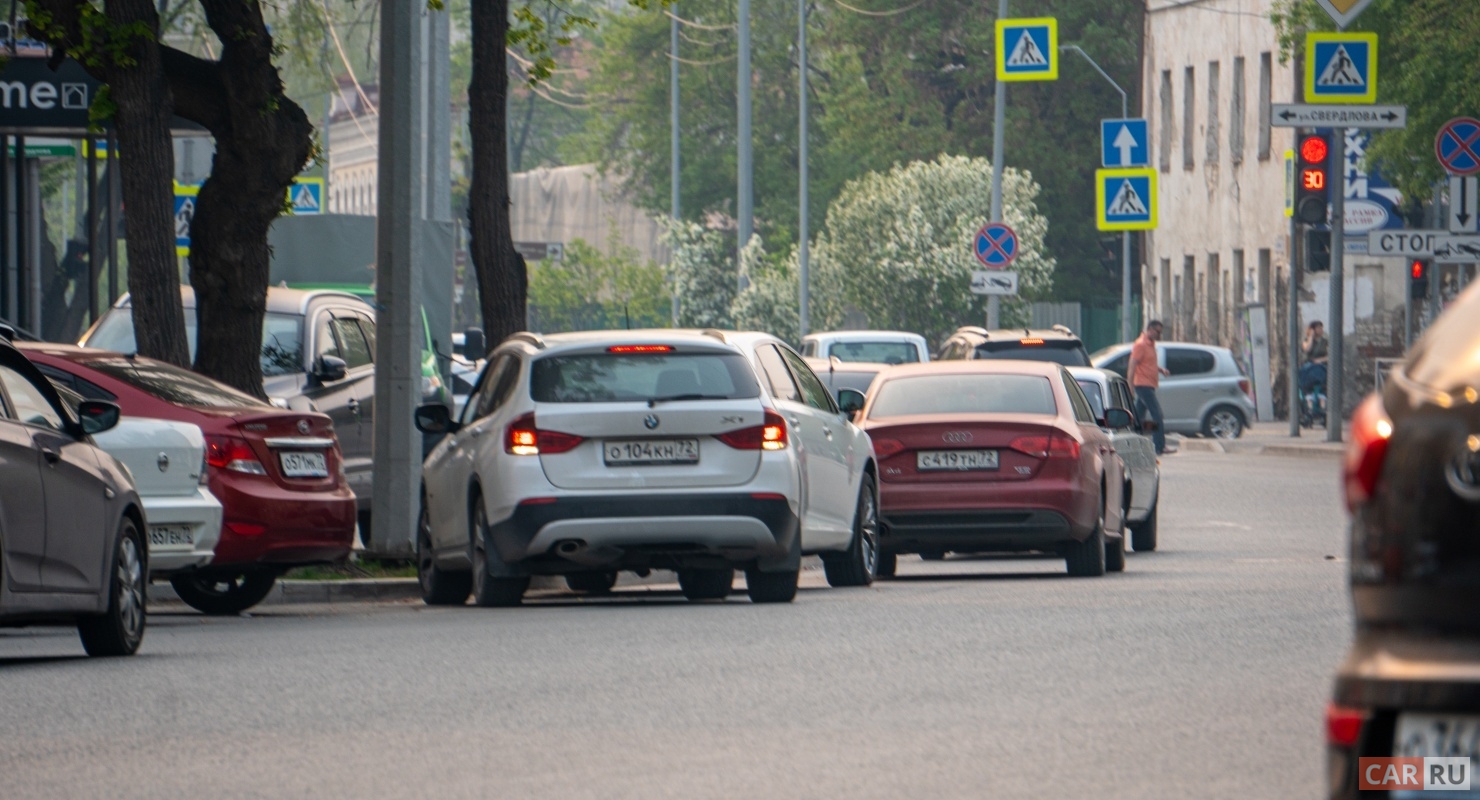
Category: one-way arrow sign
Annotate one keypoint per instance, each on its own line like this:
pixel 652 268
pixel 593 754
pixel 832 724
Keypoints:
pixel 1309 116
pixel 1124 143
pixel 1463 213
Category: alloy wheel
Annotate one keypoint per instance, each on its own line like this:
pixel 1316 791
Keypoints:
pixel 130 588
pixel 1224 424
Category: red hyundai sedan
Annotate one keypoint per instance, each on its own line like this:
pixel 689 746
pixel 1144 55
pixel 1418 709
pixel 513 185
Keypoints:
pixel 995 456
pixel 278 474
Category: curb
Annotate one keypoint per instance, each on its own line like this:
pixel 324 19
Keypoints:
pixel 1291 450
pixel 362 590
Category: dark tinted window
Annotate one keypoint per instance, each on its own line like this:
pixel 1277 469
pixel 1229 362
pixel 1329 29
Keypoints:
pixel 964 394
pixel 282 345
pixel 173 384
pixel 812 389
pixel 1186 361
pixel 1068 353
pixel 875 352
pixel 609 377
pixel 1093 395
pixel 352 346
pixel 1082 410
pixel 782 385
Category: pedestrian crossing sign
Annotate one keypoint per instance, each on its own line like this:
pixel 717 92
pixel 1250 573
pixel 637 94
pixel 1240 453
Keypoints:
pixel 1125 199
pixel 1341 68
pixel 185 197
pixel 1028 49
pixel 306 196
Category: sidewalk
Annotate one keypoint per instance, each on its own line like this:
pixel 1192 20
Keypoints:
pixel 1267 438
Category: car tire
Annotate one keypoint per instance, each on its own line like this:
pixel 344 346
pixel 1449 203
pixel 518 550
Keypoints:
pixel 932 555
pixel 1143 534
pixel 1086 559
pixel 591 582
pixel 1223 422
pixel 771 587
pixel 222 593
pixel 439 587
pixel 857 565
pixel 120 629
pixel 888 564
pixel 490 590
pixel 1115 553
pixel 706 584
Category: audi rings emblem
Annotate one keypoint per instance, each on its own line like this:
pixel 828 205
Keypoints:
pixel 303 426
pixel 650 422
pixel 956 437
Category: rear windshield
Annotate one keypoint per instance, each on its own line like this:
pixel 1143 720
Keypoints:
pixel 964 394
pixel 1068 353
pixel 875 352
pixel 282 344
pixel 606 377
pixel 173 384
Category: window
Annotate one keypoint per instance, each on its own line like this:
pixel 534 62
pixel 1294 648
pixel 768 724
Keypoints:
pixel 282 345
pixel 29 401
pixel 324 341
pixel 1236 115
pixel 173 384
pixel 1213 129
pixel 1263 287
pixel 497 387
pixel 1265 68
pixel 1214 301
pixel 87 389
pixel 1187 361
pixel 614 378
pixel 1082 411
pixel 368 326
pixel 1165 157
pixel 1189 96
pixel 964 394
pixel 1188 296
pixel 1166 288
pixel 1239 276
pixel 1120 394
pixel 812 389
pixel 1092 394
pixel 782 385
pixel 809 349
pixel 875 352
pixel 955 350
pixel 352 344
pixel 1069 352
pixel 1119 365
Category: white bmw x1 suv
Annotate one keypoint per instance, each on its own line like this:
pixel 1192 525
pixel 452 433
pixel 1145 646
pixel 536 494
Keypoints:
pixel 583 454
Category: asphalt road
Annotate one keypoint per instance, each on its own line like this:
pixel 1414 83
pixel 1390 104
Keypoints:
pixel 1200 672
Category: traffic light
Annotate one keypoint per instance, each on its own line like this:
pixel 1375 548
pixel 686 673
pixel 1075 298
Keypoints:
pixel 1312 190
pixel 1418 279
pixel 1317 251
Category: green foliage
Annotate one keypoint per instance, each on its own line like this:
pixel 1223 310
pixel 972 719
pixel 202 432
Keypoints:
pixel 703 275
pixel 589 290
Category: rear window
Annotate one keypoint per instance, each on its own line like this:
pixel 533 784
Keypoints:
pixel 173 384
pixel 875 352
pixel 1068 353
pixel 1186 361
pixel 282 345
pixel 964 394
pixel 607 377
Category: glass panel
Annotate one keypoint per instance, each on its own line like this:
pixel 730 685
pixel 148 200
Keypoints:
pixel 875 352
pixel 606 377
pixel 30 403
pixel 965 394
pixel 173 384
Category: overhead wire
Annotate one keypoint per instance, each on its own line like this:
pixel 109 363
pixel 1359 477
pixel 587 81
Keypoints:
pixel 692 24
pixel 339 46
pixel 890 13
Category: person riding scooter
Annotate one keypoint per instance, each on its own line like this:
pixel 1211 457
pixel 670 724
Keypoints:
pixel 1312 376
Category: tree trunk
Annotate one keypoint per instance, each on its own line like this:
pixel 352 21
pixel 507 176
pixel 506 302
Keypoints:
pixel 502 279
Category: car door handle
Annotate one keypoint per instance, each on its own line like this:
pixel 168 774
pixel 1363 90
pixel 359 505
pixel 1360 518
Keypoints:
pixel 475 432
pixel 796 421
pixel 51 456
pixel 826 431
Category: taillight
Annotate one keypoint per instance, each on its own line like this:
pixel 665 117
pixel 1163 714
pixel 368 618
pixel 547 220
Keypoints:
pixel 1243 385
pixel 769 435
pixel 1371 430
pixel 524 439
pixel 246 528
pixel 884 448
pixel 233 454
pixel 1051 446
pixel 1343 725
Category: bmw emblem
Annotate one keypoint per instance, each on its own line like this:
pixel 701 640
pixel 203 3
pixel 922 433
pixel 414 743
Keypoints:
pixel 303 426
pixel 650 422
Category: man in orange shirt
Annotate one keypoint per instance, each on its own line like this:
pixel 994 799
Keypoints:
pixel 1145 376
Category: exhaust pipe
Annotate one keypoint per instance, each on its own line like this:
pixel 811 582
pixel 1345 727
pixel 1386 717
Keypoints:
pixel 570 547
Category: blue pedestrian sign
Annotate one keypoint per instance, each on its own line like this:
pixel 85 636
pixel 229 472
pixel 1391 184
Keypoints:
pixel 306 196
pixel 1341 68
pixel 185 197
pixel 1028 49
pixel 996 245
pixel 1125 199
pixel 1123 143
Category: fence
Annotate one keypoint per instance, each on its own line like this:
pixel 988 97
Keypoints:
pixel 1098 326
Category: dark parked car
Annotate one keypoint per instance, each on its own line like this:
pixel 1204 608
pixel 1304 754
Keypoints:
pixel 1057 344
pixel 1410 685
pixel 71 525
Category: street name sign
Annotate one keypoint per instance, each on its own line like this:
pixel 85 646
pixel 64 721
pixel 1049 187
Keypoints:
pixel 1458 146
pixel 1028 49
pixel 1341 68
pixel 1124 143
pixel 1463 214
pixel 1343 12
pixel 996 245
pixel 1438 245
pixel 1308 116
pixel 1125 199
pixel 997 281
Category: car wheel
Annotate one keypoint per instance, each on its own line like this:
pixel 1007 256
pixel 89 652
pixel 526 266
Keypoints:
pixel 120 629
pixel 1223 422
pixel 706 584
pixel 591 582
pixel 932 555
pixel 1143 534
pixel 857 565
pixel 1086 559
pixel 489 590
pixel 771 587
pixel 223 592
pixel 439 587
pixel 888 563
pixel 1115 553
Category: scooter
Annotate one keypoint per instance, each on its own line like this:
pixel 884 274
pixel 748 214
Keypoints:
pixel 1312 395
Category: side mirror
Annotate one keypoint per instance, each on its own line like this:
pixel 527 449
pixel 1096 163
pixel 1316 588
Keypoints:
pixel 434 418
pixel 1118 419
pixel 475 345
pixel 850 401
pixel 97 416
pixel 329 369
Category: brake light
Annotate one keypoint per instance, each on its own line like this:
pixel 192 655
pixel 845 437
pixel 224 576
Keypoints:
pixel 524 439
pixel 1032 341
pixel 246 528
pixel 233 454
pixel 884 448
pixel 1371 430
pixel 1243 385
pixel 1050 446
pixel 1343 725
pixel 769 435
pixel 640 348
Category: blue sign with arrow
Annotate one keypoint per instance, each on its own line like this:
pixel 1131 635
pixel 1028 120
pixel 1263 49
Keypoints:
pixel 1124 143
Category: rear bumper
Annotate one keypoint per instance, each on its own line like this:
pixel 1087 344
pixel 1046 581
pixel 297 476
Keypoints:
pixel 681 530
pixel 301 527
pixel 1012 516
pixel 201 512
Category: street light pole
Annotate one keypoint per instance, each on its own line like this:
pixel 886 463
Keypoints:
pixel 744 205
pixel 999 119
pixel 803 317
pixel 673 130
pixel 1125 237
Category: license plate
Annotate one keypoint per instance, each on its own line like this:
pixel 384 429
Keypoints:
pixel 171 536
pixel 1420 735
pixel 955 460
pixel 303 465
pixel 641 452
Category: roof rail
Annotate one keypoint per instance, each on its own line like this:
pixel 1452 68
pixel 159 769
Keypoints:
pixel 715 333
pixel 528 338
pixel 1062 328
pixel 976 329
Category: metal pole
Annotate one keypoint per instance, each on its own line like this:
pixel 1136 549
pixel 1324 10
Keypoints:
pixel 673 130
pixel 93 253
pixel 803 292
pixel 999 119
pixel 115 191
pixel 1335 365
pixel 21 315
pixel 745 203
pixel 7 254
pixel 33 237
pixel 1292 319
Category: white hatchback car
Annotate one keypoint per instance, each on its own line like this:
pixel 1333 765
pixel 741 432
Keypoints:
pixel 583 454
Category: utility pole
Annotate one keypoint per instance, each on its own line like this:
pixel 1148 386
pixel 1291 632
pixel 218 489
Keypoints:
pixel 999 117
pixel 745 203
pixel 1336 364
pixel 673 129
pixel 1292 318
pixel 803 290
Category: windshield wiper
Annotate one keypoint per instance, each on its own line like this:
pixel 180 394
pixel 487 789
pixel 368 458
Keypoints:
pixel 653 401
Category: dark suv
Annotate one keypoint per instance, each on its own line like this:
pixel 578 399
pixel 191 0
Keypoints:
pixel 1057 344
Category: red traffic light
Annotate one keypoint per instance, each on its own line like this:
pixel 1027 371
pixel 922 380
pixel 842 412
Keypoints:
pixel 1417 270
pixel 1313 150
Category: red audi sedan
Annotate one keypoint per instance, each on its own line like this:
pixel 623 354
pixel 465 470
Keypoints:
pixel 995 456
pixel 279 474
